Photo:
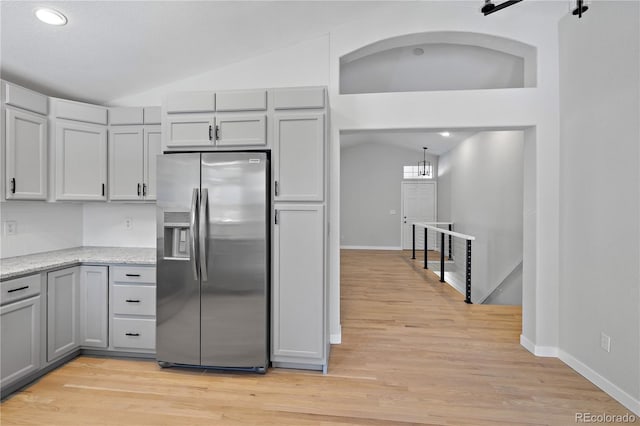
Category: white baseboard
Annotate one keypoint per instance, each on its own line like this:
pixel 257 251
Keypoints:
pixel 542 351
pixel 614 391
pixel 370 248
pixel 336 338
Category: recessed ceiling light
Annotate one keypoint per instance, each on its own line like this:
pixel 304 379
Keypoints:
pixel 418 51
pixel 445 134
pixel 50 16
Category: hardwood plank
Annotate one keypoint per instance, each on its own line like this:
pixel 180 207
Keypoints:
pixel 412 353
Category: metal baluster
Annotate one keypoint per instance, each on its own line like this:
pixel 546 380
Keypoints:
pixel 425 248
pixel 442 257
pixel 468 277
pixel 450 239
pixel 413 251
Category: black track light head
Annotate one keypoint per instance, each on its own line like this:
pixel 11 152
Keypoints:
pixel 488 7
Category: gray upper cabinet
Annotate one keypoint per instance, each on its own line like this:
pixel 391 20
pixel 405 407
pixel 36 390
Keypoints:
pixel 299 146
pixel 126 154
pixel 63 312
pixel 299 98
pixel 202 120
pixel 152 115
pixel 238 130
pixel 190 102
pixel 119 116
pixel 78 111
pixel 26 99
pixel 81 161
pixel 26 155
pixel 94 304
pixel 241 100
pixel 184 130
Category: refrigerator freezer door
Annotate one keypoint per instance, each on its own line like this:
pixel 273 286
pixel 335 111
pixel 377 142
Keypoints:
pixel 234 295
pixel 178 285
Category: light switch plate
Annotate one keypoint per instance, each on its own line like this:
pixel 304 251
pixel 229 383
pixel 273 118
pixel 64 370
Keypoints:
pixel 128 223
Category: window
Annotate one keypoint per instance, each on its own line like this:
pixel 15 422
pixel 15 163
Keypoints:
pixel 413 172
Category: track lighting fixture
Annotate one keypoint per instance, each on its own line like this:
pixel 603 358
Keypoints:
pixel 489 7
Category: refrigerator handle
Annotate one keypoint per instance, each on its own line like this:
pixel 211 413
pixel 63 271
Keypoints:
pixel 204 233
pixel 192 232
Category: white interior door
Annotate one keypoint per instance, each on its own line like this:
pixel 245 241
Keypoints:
pixel 418 205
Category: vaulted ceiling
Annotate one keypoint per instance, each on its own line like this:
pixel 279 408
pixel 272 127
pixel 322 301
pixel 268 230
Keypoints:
pixel 110 49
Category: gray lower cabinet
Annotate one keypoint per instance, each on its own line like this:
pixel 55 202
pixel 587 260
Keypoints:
pixel 20 327
pixel 299 305
pixel 63 312
pixel 132 293
pixel 94 302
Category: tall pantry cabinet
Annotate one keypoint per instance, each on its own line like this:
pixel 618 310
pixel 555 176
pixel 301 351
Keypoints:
pixel 299 309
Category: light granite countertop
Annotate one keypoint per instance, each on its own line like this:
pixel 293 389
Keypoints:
pixel 13 267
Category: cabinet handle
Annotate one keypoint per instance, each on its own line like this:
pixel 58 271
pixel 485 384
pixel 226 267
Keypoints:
pixel 18 289
pixel 276 217
pixel 144 189
pixel 138 190
pixel 13 185
pixel 132 275
pixel 276 188
pixel 132 334
pixel 210 132
pixel 103 189
pixel 132 301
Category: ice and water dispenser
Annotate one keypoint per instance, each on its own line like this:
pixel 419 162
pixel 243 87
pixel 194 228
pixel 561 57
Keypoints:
pixel 176 235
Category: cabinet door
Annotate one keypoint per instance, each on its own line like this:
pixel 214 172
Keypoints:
pixel 299 157
pixel 298 287
pixel 26 155
pixel 63 308
pixel 126 163
pixel 94 303
pixel 152 148
pixel 20 349
pixel 189 130
pixel 81 161
pixel 234 130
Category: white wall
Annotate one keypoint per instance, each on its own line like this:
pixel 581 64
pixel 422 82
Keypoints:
pixel 41 227
pixel 480 190
pixel 104 225
pixel 533 23
pixel 302 64
pixel 600 196
pixel 370 187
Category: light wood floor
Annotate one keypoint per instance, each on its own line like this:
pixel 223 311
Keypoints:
pixel 412 353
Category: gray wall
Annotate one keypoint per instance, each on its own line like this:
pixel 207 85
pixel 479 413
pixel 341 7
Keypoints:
pixel 370 179
pixel 480 190
pixel 600 191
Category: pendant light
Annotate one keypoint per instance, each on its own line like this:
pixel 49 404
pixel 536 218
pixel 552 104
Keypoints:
pixel 424 166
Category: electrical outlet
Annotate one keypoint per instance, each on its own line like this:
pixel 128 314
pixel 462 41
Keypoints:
pixel 605 342
pixel 128 223
pixel 10 227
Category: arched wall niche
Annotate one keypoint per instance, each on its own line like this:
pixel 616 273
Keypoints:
pixel 440 60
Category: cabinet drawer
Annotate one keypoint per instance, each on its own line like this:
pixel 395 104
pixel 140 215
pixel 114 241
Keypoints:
pixel 134 299
pixel 134 333
pixel 20 288
pixel 134 274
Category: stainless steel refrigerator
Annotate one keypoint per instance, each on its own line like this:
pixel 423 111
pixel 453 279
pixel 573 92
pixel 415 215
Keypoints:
pixel 213 260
